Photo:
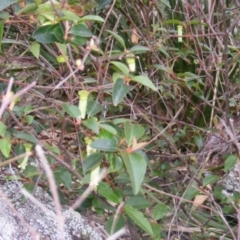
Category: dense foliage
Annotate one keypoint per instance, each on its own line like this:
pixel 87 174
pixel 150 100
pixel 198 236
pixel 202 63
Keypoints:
pixel 120 95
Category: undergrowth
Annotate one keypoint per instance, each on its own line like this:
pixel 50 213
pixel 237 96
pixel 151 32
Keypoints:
pixel 124 90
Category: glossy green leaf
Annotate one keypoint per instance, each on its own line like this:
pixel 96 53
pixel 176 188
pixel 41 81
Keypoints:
pixel 132 131
pixel 139 49
pixel 92 124
pixel 106 191
pixel 144 81
pixel 108 128
pixel 138 202
pixel 160 211
pixel 99 204
pixel 63 176
pixel 139 219
pixel 116 163
pixel 91 18
pixel 5 147
pixel 70 16
pixel 58 31
pixel 118 38
pixel 80 30
pixel 105 144
pixel 93 107
pixel 230 162
pixel 72 110
pixel 79 40
pixel 210 180
pixel 92 161
pixel 136 167
pixel 2 129
pixel 26 136
pixel 122 67
pixel 35 49
pixel 120 90
pixel 117 75
pixel 6 3
pixel 41 35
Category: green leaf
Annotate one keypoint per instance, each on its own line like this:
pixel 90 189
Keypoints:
pixel 105 144
pixel 93 107
pixel 103 3
pixel 4 15
pixel 160 211
pixel 157 230
pixel 230 162
pixel 144 81
pixel 118 38
pixel 70 16
pixel 120 90
pixel 91 18
pixel 26 136
pixel 166 2
pixel 52 148
pixel 133 131
pixel 119 223
pixel 63 176
pixel 29 8
pixel 92 161
pixel 2 129
pixel 92 124
pixel 79 40
pixel 1 34
pixel 30 171
pixel 108 128
pixel 29 119
pixel 173 21
pixel 35 49
pixel 136 167
pixel 41 35
pixel 6 3
pixel 191 193
pixel 139 219
pixel 106 191
pixel 72 110
pixel 58 31
pixel 210 180
pixel 5 147
pixel 80 30
pixel 138 202
pixel 122 67
pixel 198 141
pixel 139 49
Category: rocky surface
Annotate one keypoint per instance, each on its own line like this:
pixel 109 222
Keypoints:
pixel 214 148
pixel 37 224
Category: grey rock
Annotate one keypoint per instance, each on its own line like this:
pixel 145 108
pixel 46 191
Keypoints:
pixel 231 181
pixel 38 223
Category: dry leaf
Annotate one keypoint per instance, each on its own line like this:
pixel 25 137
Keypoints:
pixel 134 37
pixel 199 200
